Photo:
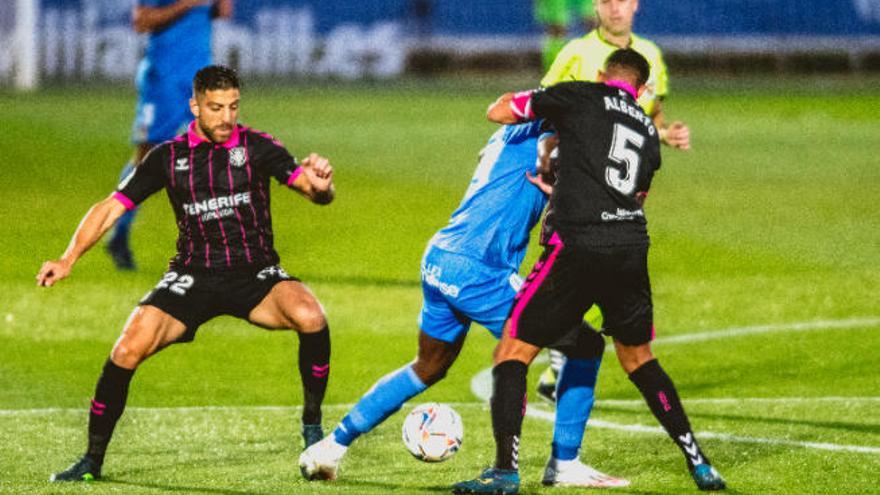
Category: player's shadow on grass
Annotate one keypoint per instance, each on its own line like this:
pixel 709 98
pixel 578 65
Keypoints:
pixel 177 488
pixel 392 487
pixel 838 425
pixel 243 459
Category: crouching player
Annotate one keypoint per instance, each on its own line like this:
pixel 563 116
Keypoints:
pixel 216 176
pixel 470 274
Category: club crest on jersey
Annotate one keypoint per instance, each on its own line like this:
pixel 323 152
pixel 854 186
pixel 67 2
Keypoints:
pixel 182 165
pixel 236 156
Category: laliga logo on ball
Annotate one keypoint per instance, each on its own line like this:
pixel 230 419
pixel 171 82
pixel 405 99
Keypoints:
pixel 433 432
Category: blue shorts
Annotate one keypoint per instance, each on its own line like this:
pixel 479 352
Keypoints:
pixel 458 290
pixel 163 104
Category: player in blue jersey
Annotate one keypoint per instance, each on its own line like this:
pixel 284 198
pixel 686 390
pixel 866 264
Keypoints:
pixel 178 45
pixel 470 274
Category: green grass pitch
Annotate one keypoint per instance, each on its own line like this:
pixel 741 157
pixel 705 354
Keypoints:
pixel 770 225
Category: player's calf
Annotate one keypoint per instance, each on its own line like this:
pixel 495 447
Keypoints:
pixel 314 369
pixel 662 398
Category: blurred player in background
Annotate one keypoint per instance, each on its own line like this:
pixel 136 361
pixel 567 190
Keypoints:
pixel 470 273
pixel 216 176
pixel 582 60
pixel 555 18
pixel 178 45
pixel 596 244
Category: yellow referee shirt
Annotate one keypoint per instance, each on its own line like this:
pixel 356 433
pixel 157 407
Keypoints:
pixel 582 59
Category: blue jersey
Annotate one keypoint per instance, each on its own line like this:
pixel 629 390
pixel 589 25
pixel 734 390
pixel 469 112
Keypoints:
pixel 184 45
pixel 499 209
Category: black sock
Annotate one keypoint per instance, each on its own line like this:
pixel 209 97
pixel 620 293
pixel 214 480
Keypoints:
pixel 508 406
pixel 660 394
pixel 314 368
pixel 106 408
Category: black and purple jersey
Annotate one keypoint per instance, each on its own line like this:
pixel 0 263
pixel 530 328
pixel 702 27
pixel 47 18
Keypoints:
pixel 219 193
pixel 609 150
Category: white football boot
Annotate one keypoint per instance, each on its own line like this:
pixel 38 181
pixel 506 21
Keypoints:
pixel 321 460
pixel 576 473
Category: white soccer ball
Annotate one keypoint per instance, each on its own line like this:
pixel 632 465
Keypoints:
pixel 432 432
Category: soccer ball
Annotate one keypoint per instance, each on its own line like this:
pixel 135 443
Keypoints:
pixel 432 432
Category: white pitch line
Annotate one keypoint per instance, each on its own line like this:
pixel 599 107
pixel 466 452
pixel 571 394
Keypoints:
pixel 740 400
pixel 656 430
pixel 481 384
pixel 803 326
pixel 171 409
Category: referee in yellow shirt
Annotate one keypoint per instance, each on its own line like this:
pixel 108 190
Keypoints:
pixel 581 60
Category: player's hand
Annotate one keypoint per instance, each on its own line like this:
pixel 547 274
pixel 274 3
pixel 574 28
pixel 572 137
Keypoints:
pixel 319 172
pixel 53 271
pixel 678 136
pixel 538 181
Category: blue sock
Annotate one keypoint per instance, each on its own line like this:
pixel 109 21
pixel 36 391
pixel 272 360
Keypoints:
pixel 574 401
pixel 123 225
pixel 381 401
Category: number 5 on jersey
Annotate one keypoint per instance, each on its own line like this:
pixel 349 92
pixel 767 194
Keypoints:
pixel 621 153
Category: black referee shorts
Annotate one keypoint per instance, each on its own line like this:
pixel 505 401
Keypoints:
pixel 566 281
pixel 194 297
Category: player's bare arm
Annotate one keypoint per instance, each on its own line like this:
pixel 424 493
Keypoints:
pixel 546 148
pixel 511 108
pixel 675 135
pixel 93 226
pixel 500 111
pixel 147 19
pixel 316 180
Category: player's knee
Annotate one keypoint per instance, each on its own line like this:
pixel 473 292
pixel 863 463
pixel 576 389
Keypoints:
pixel 308 318
pixel 502 355
pixel 430 371
pixel 127 355
pixel 513 349
pixel 633 357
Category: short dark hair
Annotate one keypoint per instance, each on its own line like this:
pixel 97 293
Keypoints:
pixel 214 77
pixel 629 60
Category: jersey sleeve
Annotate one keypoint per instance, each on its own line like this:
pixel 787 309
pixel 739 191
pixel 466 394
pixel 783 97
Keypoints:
pixel 554 101
pixel 272 159
pixel 144 180
pixel 521 132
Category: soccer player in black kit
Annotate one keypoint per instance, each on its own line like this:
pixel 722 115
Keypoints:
pixel 596 252
pixel 217 177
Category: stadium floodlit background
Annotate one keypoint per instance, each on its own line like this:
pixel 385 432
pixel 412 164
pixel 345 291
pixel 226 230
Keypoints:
pixel 764 262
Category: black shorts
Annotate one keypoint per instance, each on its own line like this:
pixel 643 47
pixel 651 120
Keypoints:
pixel 566 281
pixel 581 342
pixel 194 297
